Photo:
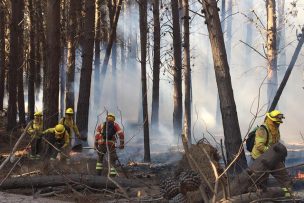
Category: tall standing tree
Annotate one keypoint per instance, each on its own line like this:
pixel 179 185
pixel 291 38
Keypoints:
pixel 71 56
pixel 32 59
pixel 232 133
pixel 177 71
pixel 51 74
pixel 97 35
pixel 187 65
pixel 16 37
pixel 143 52
pixel 271 45
pixel 156 65
pixel 281 38
pixel 229 29
pixel 2 53
pixel 83 104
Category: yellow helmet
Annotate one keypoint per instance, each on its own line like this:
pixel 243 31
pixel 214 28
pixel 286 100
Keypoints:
pixel 59 129
pixel 69 111
pixel 111 117
pixel 38 113
pixel 276 116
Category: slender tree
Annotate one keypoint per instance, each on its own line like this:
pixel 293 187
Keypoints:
pixel 271 45
pixel 187 65
pixel 156 65
pixel 177 71
pixel 143 52
pixel 14 60
pixel 71 52
pixel 32 59
pixel 2 53
pixel 51 74
pixel 83 104
pixel 232 133
pixel 97 34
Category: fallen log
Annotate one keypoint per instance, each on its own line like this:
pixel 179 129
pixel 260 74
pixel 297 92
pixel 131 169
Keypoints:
pixel 58 180
pixel 256 170
pixel 271 193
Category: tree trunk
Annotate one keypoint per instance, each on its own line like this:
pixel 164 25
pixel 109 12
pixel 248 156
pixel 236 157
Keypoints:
pixel 281 38
pixel 156 66
pixel 229 30
pixel 58 180
pixel 51 75
pixel 288 72
pixel 233 139
pixel 14 60
pixel 272 77
pixel 31 77
pixel 97 35
pixel 104 22
pixel 2 53
pixel 187 65
pixel 86 69
pixel 71 52
pixel 177 71
pixel 143 52
pixel 110 43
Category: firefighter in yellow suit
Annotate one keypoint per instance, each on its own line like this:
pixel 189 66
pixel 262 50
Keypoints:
pixel 265 138
pixel 35 131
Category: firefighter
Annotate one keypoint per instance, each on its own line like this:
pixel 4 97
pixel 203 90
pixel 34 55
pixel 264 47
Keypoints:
pixel 60 141
pixel 105 140
pixel 35 131
pixel 265 138
pixel 69 123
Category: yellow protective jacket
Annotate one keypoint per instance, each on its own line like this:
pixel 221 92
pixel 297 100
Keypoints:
pixel 35 130
pixel 71 124
pixel 64 136
pixel 260 144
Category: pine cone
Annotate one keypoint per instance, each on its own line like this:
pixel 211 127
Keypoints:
pixel 179 198
pixel 169 188
pixel 189 181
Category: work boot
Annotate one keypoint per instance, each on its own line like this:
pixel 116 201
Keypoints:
pixel 37 157
pixel 32 157
pixel 113 172
pixel 99 168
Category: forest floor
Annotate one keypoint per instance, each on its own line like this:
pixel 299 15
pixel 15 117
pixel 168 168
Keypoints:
pixel 81 163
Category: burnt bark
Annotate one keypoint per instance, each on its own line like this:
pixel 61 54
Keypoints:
pixel 71 56
pixel 97 35
pixel 271 45
pixel 51 74
pixel 177 71
pixel 143 52
pixel 14 60
pixel 2 53
pixel 32 58
pixel 86 69
pixel 233 139
pixel 156 65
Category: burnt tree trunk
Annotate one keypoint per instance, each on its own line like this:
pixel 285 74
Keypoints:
pixel 288 72
pixel 97 35
pixel 51 75
pixel 177 71
pixel 233 139
pixel 271 45
pixel 143 52
pixel 187 65
pixel 32 59
pixel 14 60
pixel 2 53
pixel 71 56
pixel 104 22
pixel 156 65
pixel 86 69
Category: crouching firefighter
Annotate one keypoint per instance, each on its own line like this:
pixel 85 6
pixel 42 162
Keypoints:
pixel 105 140
pixel 59 142
pixel 35 131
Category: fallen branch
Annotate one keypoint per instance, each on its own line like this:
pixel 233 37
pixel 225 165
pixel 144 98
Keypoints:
pixel 16 146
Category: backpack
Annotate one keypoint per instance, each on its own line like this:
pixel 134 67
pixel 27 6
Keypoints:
pixel 111 130
pixel 67 128
pixel 251 138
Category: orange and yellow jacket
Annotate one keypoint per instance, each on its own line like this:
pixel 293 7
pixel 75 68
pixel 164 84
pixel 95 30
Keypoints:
pixel 99 137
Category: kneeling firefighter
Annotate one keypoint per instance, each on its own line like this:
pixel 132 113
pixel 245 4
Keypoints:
pixel 60 141
pixel 105 140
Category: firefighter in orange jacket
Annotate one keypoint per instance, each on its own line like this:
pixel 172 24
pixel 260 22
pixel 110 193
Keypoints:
pixel 105 139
